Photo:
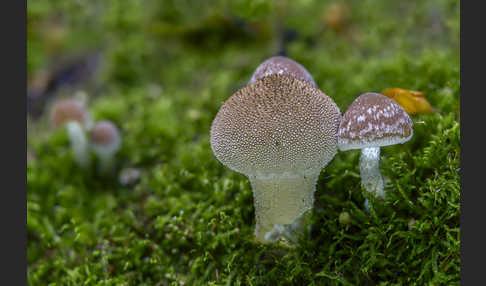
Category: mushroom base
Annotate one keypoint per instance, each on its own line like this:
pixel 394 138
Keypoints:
pixel 369 163
pixel 79 143
pixel 280 202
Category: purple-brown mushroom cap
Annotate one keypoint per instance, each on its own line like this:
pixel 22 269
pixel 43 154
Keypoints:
pixel 374 120
pixel 284 66
pixel 105 137
pixel 66 110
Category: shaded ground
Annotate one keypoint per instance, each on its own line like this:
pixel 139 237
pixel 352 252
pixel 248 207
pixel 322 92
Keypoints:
pixel 165 69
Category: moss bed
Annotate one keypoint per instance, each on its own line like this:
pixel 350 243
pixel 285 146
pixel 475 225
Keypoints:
pixel 167 67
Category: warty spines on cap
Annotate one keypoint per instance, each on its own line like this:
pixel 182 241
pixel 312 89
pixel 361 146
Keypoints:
pixel 277 124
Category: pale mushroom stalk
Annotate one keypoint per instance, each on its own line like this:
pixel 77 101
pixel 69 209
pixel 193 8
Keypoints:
pixel 106 162
pixel 290 231
pixel 79 143
pixel 369 166
pixel 279 201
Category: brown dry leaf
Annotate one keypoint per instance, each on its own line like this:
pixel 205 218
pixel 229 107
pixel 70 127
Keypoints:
pixel 414 102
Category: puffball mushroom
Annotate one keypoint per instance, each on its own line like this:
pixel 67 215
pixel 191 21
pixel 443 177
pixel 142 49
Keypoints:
pixel 280 132
pixel 282 65
pixel 73 115
pixel 370 122
pixel 105 141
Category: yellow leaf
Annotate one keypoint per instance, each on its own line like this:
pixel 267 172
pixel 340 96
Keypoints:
pixel 413 102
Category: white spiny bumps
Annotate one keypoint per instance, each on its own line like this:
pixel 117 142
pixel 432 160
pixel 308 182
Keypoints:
pixel 276 125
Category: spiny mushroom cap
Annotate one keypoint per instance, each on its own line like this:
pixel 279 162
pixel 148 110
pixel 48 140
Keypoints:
pixel 66 110
pixel 282 65
pixel 277 125
pixel 374 120
pixel 105 137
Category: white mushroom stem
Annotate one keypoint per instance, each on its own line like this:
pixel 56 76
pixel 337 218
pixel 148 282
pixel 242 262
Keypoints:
pixel 369 164
pixel 279 201
pixel 79 143
pixel 106 162
pixel 300 225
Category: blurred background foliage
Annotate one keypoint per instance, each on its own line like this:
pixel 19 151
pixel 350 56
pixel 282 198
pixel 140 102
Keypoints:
pixel 161 69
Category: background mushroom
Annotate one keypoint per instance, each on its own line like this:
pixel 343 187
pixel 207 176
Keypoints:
pixel 75 117
pixel 370 122
pixel 280 132
pixel 105 141
pixel 282 65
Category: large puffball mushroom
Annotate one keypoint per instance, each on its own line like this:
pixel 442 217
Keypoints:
pixel 105 142
pixel 282 65
pixel 75 117
pixel 370 122
pixel 280 132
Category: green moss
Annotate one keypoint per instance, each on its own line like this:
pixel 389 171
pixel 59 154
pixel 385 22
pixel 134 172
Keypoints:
pixel 190 219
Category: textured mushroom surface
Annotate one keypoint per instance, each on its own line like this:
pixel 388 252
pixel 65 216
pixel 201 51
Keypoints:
pixel 276 125
pixel 282 65
pixel 374 120
pixel 68 110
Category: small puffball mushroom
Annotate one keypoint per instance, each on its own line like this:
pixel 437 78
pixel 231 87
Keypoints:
pixel 280 132
pixel 73 115
pixel 282 65
pixel 370 122
pixel 105 141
